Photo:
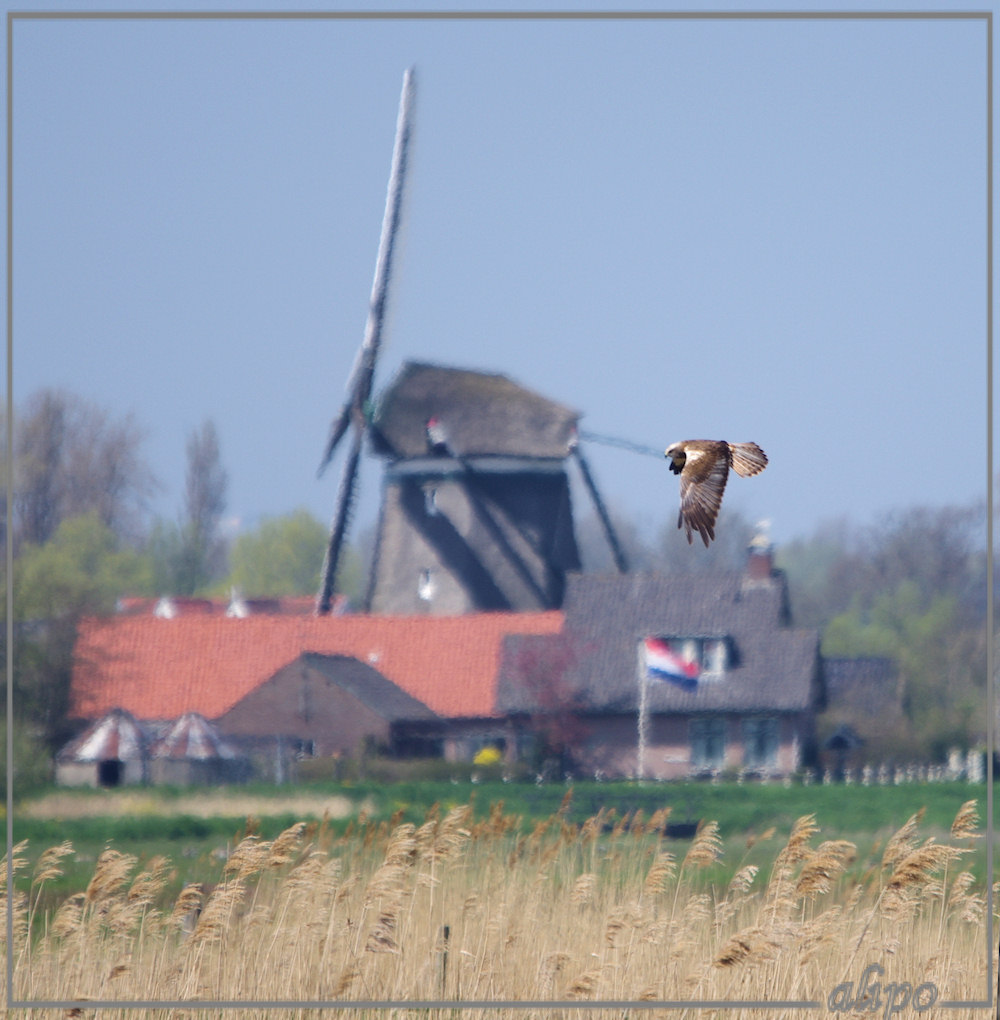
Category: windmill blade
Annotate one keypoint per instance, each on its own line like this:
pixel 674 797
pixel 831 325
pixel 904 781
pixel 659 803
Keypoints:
pixel 609 532
pixel 341 520
pixel 354 413
pixel 337 430
pixel 359 386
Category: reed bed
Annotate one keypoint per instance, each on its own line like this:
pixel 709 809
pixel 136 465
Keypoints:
pixel 458 910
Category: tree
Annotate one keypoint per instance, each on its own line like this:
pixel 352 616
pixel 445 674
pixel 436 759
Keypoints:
pixel 82 570
pixel 909 588
pixel 284 556
pixel 199 548
pixel 70 458
pixel 674 555
pixel 541 667
pixel 941 662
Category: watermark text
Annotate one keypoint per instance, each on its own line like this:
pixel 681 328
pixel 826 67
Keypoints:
pixel 872 996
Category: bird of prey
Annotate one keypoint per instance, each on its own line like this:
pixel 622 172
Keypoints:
pixel 703 465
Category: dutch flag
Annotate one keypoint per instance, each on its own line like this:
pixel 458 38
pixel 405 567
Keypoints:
pixel 663 663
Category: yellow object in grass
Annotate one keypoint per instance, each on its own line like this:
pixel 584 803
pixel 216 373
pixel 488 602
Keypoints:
pixel 487 756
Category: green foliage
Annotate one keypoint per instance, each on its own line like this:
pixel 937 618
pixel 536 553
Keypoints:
pixel 82 569
pixel 910 589
pixel 897 625
pixel 164 549
pixel 32 763
pixel 284 556
pixel 941 662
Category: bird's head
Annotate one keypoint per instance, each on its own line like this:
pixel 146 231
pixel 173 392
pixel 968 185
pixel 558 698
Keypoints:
pixel 675 451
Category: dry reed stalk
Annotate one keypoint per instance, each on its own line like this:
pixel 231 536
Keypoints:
pixel 797 848
pixel 741 882
pixel 823 865
pixel 67 919
pixel 582 892
pixel 966 823
pixel 109 876
pixel 706 847
pixel 662 870
pixel 780 896
pixel 402 846
pixel 440 840
pixel 737 894
pixel 965 906
pixel 248 858
pixel 657 823
pixel 187 907
pixel 593 826
pixel 584 985
pixel 550 967
pixel 576 916
pixel 753 839
pixel 749 946
pixel 17 859
pixel 284 849
pixel 149 883
pixel 217 913
pixel 903 841
pixel 565 804
pixel 48 867
pixel 917 867
pixel 819 933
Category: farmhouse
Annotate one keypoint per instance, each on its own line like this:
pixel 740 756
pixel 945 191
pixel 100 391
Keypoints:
pixel 323 705
pixel 746 701
pixel 282 685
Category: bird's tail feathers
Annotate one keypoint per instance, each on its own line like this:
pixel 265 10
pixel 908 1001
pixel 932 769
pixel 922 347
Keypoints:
pixel 748 458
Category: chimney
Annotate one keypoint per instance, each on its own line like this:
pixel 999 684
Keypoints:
pixel 760 555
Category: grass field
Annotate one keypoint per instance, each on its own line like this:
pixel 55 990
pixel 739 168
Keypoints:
pixel 442 892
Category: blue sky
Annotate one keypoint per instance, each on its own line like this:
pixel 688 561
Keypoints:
pixel 770 230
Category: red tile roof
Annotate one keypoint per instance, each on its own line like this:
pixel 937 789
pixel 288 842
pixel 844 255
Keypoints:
pixel 160 669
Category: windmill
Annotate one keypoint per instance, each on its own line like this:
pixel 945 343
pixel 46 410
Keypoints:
pixel 475 511
pixel 354 415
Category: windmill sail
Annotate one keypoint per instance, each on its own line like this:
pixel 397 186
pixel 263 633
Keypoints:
pixel 355 412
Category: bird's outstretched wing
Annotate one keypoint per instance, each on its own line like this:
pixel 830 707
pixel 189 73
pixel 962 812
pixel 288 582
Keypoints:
pixel 703 481
pixel 748 458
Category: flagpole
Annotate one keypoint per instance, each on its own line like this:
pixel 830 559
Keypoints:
pixel 641 751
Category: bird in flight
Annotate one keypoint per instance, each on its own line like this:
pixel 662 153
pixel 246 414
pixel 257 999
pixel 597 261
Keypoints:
pixel 703 465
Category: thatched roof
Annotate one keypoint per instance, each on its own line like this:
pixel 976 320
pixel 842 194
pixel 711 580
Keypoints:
pixel 482 414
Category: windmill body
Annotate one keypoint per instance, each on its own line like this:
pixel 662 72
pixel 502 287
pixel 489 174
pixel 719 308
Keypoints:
pixel 476 512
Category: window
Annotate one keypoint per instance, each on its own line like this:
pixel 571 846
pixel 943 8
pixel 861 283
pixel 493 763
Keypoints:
pixel 708 743
pixel 760 742
pixel 712 655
